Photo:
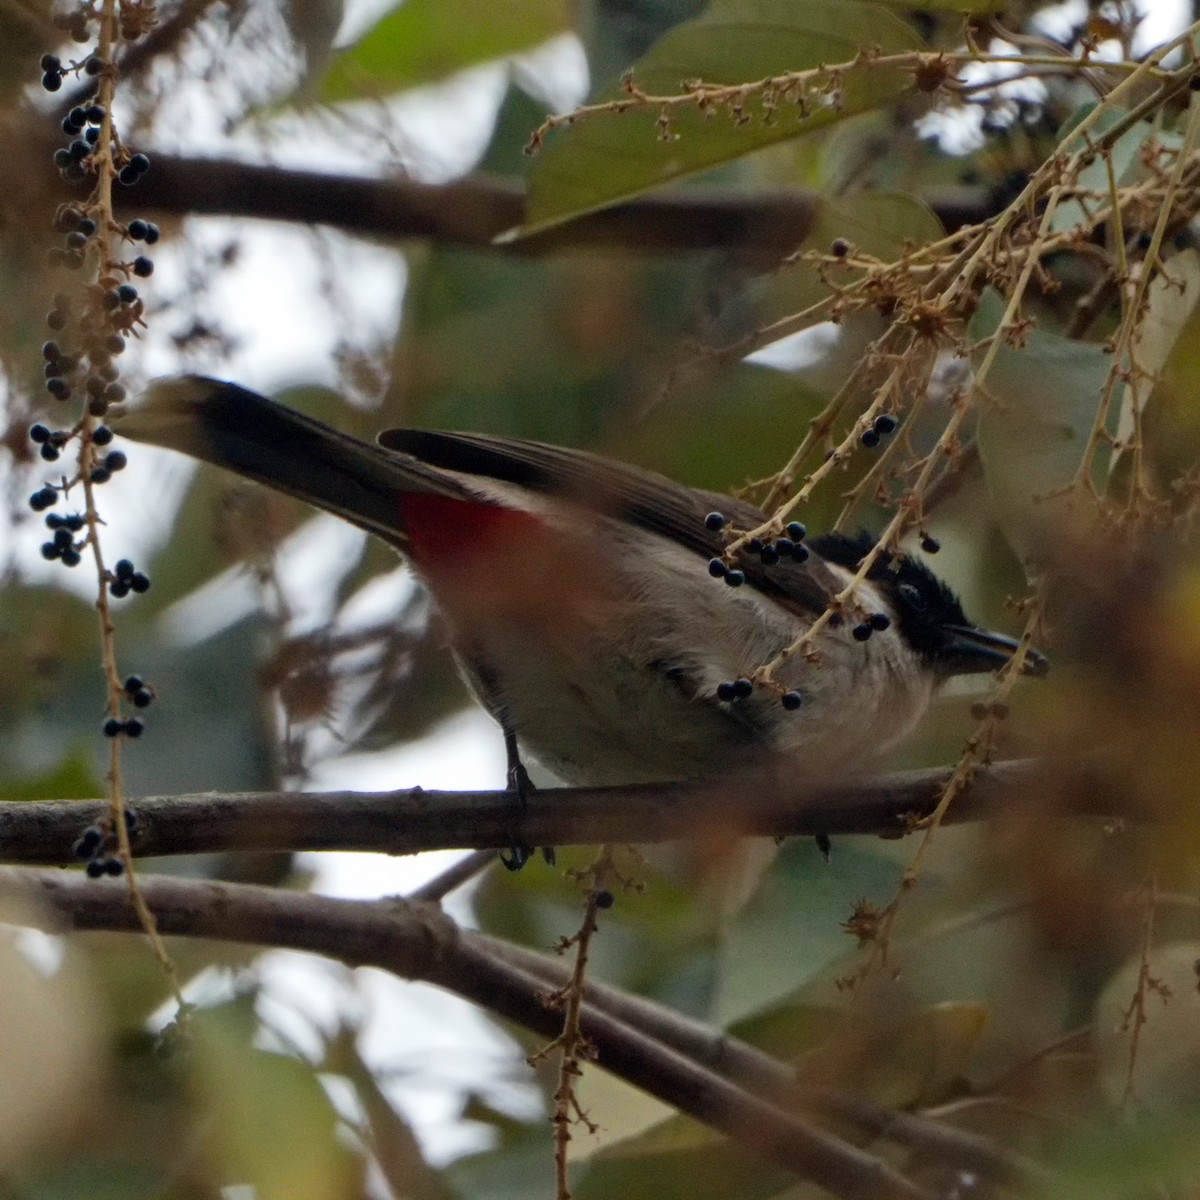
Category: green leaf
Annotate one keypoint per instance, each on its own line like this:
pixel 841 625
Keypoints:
pixel 612 156
pixel 72 778
pixel 1035 422
pixel 975 8
pixel 426 40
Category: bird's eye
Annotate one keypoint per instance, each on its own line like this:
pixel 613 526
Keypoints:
pixel 911 596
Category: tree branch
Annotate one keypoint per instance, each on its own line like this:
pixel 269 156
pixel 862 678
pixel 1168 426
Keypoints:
pixel 413 820
pixel 747 1066
pixel 418 941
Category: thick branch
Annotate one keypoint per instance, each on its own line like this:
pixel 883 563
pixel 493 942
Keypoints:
pixel 749 1067
pixel 417 941
pixel 410 821
pixel 473 211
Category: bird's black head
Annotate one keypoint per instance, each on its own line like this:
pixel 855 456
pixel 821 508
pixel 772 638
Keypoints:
pixel 928 613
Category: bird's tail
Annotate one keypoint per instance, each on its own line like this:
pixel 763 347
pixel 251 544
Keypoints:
pixel 248 434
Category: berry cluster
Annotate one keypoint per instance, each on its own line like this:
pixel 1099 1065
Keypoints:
pixel 791 546
pixel 884 425
pixel 98 846
pixel 95 327
pixel 140 695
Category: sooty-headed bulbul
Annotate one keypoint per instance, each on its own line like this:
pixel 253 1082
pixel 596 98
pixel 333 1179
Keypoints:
pixel 586 599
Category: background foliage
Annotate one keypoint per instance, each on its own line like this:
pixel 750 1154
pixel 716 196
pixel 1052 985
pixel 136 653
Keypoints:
pixel 1040 984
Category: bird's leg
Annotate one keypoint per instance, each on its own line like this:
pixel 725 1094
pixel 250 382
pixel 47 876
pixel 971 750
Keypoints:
pixel 520 785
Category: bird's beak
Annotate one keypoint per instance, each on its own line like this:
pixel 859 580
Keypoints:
pixel 969 651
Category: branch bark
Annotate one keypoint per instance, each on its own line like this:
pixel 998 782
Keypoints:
pixel 419 942
pixel 414 820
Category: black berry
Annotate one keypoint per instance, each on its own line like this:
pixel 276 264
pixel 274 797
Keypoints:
pixel 138 229
pixel 862 631
pixel 742 688
pixel 39 434
pixel 879 621
pixel 717 568
pixel 930 544
pixel 726 692
pixel 869 438
pixel 124 569
pixel 735 578
pixel 714 521
pixel 143 266
pixel 885 423
pixel 796 531
pixel 113 726
pixel 134 727
pixel 792 700
pixel 139 583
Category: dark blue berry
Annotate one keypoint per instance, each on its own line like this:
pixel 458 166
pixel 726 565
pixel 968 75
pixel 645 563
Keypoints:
pixel 51 62
pixel 769 556
pixel 52 81
pixel 139 583
pixel 735 578
pixel 63 539
pixel 143 266
pixel 94 65
pixel 142 698
pixel 94 114
pixel 714 521
pixel 796 531
pixel 115 460
pixel 49 452
pixel 128 176
pixel 140 163
pixel 89 842
pixel 49 551
pixel 114 866
pixel 885 423
pixel 792 700
pixel 100 475
pixel 742 688
pixel 39 434
pixel 862 631
pixel 930 544
pixel 717 568
pixel 119 589
pixel 134 684
pixel 879 621
pixel 726 692
pixel 134 727
pixel 869 438
pixel 71 557
pixel 138 229
pixel 152 233
pixel 800 552
pixel 127 293
pixel 42 500
pixel 124 569
pixel 58 387
pixel 784 546
pixel 113 726
pixel 96 868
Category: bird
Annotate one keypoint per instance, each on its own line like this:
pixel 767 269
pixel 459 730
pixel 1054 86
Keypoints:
pixel 592 606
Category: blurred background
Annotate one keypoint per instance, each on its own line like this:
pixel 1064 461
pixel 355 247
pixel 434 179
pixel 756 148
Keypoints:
pixel 288 650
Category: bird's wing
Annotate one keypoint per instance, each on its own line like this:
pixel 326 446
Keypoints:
pixel 643 498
